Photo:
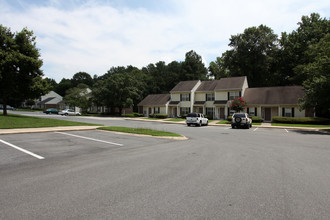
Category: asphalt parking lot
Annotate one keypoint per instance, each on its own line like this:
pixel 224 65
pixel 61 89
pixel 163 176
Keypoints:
pixel 218 173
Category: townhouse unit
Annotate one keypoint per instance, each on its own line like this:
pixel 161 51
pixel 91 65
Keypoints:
pixel 213 98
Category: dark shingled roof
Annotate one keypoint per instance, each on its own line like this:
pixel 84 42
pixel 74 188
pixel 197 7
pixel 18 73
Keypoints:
pixel 46 100
pixel 155 99
pixel 174 102
pixel 285 95
pixel 230 83
pixel 199 102
pixel 184 86
pixel 220 102
pixel 207 86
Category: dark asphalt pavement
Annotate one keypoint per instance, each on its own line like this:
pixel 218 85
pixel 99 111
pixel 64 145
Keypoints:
pixel 218 173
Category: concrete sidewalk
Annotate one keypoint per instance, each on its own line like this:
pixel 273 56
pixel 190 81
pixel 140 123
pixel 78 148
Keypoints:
pixel 46 129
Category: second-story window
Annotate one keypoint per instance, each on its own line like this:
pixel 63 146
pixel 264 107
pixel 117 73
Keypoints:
pixel 210 97
pixel 233 95
pixel 185 97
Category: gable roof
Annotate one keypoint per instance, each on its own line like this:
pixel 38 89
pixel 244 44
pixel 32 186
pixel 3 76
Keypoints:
pixel 155 99
pixel 46 100
pixel 206 86
pixel 230 83
pixel 285 95
pixel 185 86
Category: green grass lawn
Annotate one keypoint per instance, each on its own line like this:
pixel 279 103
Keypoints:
pixel 175 119
pixel 224 122
pixel 300 125
pixel 141 131
pixel 20 121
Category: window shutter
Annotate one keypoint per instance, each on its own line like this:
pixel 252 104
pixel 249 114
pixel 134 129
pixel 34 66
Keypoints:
pixel 283 112
pixel 228 96
pixel 240 94
pixel 255 112
pixel 248 110
pixel 180 97
pixel 189 97
pixel 292 112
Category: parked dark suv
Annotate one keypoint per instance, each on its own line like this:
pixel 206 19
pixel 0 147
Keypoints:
pixel 241 120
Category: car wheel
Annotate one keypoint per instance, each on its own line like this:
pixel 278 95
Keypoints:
pixel 200 124
pixel 207 123
pixel 66 114
pixel 232 126
pixel 188 125
pixel 250 125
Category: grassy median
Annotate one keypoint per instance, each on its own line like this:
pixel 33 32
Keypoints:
pixel 21 121
pixel 141 131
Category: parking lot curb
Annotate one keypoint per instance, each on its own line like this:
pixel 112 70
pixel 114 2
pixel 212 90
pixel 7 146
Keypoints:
pixel 183 138
pixel 46 129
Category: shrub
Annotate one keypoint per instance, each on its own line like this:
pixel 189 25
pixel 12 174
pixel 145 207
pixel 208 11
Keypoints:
pixel 210 117
pixel 303 120
pixel 128 115
pixel 136 114
pixel 229 118
pixel 162 116
pixel 256 119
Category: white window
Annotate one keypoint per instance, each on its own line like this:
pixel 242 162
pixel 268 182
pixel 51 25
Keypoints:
pixel 210 97
pixel 185 97
pixel 233 95
pixel 251 111
pixel 156 110
pixel 288 112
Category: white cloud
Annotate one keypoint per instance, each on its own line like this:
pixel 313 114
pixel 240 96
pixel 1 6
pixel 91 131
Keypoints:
pixel 92 37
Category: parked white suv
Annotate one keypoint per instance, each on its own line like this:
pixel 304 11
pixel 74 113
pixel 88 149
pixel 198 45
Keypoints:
pixel 196 119
pixel 241 120
pixel 68 112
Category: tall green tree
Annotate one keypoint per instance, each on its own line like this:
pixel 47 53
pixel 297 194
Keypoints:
pixel 82 78
pixel 120 90
pixel 295 45
pixel 252 55
pixel 20 63
pixel 317 71
pixel 63 86
pixel 193 67
pixel 79 96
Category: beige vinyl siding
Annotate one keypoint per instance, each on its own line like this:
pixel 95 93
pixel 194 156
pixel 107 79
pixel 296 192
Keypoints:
pixel 223 95
pixel 185 104
pixel 200 96
pixel 175 96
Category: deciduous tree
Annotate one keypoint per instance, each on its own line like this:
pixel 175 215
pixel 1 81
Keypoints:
pixel 20 63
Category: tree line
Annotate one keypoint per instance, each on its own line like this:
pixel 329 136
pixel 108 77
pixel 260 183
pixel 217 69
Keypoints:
pixel 297 58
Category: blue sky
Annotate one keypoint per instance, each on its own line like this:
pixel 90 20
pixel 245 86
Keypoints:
pixel 94 35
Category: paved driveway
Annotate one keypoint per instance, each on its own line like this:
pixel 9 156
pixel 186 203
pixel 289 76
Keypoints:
pixel 219 173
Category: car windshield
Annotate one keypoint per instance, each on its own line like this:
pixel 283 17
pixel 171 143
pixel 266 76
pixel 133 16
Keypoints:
pixel 240 115
pixel 192 115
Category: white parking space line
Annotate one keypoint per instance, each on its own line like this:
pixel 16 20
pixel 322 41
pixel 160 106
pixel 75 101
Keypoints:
pixel 23 150
pixel 255 129
pixel 286 130
pixel 92 139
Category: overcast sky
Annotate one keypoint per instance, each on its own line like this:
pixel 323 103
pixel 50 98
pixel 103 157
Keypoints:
pixel 94 35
